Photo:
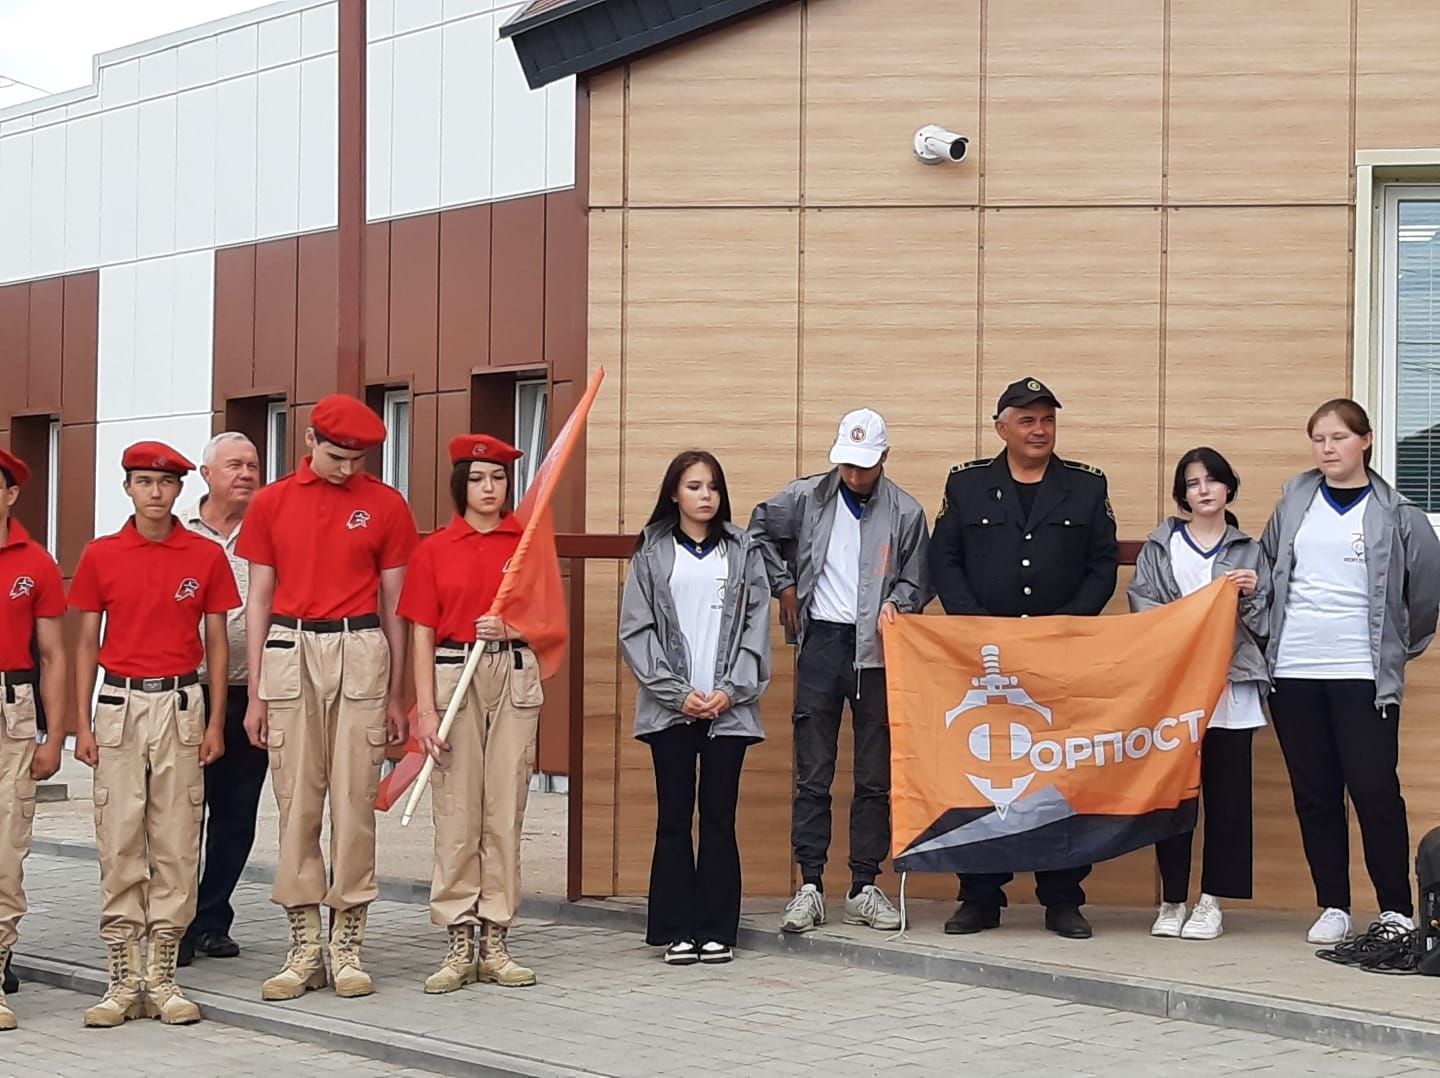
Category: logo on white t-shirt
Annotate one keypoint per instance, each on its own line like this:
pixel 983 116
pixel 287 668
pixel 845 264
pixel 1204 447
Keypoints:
pixel 1357 544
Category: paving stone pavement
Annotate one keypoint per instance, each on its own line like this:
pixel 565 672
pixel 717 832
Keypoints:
pixel 607 1005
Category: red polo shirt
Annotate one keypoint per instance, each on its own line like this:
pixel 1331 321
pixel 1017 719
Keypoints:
pixel 30 588
pixel 454 576
pixel 154 596
pixel 328 544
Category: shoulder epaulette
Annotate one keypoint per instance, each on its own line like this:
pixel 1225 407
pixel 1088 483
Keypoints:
pixel 981 463
pixel 1080 466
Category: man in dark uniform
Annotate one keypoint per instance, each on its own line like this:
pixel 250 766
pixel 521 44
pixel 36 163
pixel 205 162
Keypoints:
pixel 1024 534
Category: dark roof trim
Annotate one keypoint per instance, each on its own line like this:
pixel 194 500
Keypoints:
pixel 582 36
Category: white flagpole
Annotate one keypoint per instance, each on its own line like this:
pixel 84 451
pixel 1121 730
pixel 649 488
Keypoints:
pixel 461 689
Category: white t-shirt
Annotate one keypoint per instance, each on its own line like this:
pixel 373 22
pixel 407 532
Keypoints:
pixel 1239 705
pixel 837 592
pixel 1327 612
pixel 697 584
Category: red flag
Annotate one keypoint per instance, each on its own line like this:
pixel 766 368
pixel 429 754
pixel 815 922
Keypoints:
pixel 531 599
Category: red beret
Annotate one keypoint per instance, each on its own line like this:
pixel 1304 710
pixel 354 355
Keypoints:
pixel 15 466
pixel 347 422
pixel 482 447
pixel 154 457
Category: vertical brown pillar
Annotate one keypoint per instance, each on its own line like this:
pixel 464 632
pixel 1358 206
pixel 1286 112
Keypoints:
pixel 349 370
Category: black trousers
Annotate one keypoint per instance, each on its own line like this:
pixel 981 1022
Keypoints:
pixel 1058 887
pixel 695 898
pixel 825 679
pixel 1227 860
pixel 1335 742
pixel 232 799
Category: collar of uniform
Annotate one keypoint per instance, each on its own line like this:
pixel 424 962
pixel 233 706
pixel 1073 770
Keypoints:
pixel 17 535
pixel 131 536
pixel 460 529
pixel 306 474
pixel 194 518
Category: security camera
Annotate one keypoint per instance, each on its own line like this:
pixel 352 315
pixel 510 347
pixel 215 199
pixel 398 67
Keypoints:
pixel 934 144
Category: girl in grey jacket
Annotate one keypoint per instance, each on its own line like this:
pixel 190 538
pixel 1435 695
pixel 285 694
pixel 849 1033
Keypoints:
pixel 695 632
pixel 1180 557
pixel 1356 584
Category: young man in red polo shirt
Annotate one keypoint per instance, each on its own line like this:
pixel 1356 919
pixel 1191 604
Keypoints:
pixel 154 582
pixel 327 548
pixel 32 599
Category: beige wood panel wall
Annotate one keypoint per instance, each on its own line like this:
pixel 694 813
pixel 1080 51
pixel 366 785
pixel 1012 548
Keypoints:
pixel 1155 219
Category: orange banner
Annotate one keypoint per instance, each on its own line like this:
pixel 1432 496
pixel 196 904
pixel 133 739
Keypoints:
pixel 1043 743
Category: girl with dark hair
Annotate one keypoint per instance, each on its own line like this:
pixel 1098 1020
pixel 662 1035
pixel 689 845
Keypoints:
pixel 1183 556
pixel 695 631
pixel 1356 592
pixel 482 774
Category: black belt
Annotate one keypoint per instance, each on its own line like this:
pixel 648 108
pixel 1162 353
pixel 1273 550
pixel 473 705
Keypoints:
pixel 19 677
pixel 152 684
pixel 490 646
pixel 331 625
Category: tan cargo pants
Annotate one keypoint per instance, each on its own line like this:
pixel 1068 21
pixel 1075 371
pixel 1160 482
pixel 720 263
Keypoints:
pixel 149 797
pixel 17 803
pixel 480 786
pixel 326 693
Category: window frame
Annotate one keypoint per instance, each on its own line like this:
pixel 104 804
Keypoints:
pixel 539 445
pixel 52 490
pixel 393 403
pixel 277 415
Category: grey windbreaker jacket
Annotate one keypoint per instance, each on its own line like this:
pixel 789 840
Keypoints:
pixel 1402 558
pixel 1155 585
pixel 654 647
pixel 792 530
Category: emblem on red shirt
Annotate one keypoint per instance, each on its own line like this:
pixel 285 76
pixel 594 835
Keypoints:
pixel 188 589
pixel 358 519
pixel 22 587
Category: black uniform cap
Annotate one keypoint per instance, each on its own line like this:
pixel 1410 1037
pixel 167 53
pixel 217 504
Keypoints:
pixel 1024 392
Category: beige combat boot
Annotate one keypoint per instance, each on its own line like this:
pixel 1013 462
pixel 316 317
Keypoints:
pixel 7 1016
pixel 347 936
pixel 125 998
pixel 495 962
pixel 163 998
pixel 305 964
pixel 459 967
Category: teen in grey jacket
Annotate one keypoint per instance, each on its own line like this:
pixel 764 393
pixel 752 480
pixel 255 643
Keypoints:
pixel 1356 592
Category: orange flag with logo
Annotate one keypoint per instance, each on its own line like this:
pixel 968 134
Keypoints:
pixel 1043 743
pixel 531 599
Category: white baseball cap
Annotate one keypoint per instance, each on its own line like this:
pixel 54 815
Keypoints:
pixel 861 439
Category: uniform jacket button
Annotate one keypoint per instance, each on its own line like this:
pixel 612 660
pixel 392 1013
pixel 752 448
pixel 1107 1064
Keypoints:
pixel 1027 538
pixel 1027 591
pixel 984 520
pixel 1067 524
pixel 1025 562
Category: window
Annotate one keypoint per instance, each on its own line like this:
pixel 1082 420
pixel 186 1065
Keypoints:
pixel 277 427
pixel 396 469
pixel 1409 451
pixel 52 492
pixel 532 413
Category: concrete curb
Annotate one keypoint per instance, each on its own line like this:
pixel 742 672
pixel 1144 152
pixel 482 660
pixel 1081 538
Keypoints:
pixel 1338 1027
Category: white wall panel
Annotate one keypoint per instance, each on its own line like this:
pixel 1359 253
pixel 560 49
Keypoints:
pixel 235 161
pixel 379 18
pixel 16 168
pixel 415 161
pixel 155 228
pixel 154 345
pixel 414 14
pixel 238 52
pixel 82 192
pixel 320 30
pixel 119 84
pixel 319 143
pixel 280 40
pixel 196 118
pixel 159 73
pixel 115 352
pixel 87 107
pixel 186 433
pixel 196 65
pixel 465 120
pixel 47 206
pixel 277 161
pixel 193 287
pixel 560 134
pixel 19 123
pixel 119 169
pixel 519 112
pixel 455 9
pixel 379 93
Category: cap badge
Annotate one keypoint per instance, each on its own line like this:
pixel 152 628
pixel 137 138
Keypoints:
pixel 1032 385
pixel 857 434
pixel 350 443
pixel 479 450
pixel 162 462
pixel 188 589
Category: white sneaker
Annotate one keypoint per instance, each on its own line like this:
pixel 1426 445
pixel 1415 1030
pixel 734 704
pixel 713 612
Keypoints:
pixel 805 911
pixel 682 953
pixel 1206 921
pixel 1168 920
pixel 871 907
pixel 1390 917
pixel 1331 927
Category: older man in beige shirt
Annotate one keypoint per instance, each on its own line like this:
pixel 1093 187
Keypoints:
pixel 230 467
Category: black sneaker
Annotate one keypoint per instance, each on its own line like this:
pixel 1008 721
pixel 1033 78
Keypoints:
pixel 11 978
pixel 682 953
pixel 714 953
pixel 216 945
pixel 970 917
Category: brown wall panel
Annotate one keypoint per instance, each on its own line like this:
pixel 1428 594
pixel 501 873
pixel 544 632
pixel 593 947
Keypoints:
pixel 414 301
pixel 30 441
pixel 47 331
pixel 316 314
pixel 80 348
pixel 452 417
pixel 14 345
pixel 464 294
pixel 517 291
pixel 77 507
pixel 234 352
pixel 566 246
pixel 423 437
pixel 276 265
pixel 375 312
